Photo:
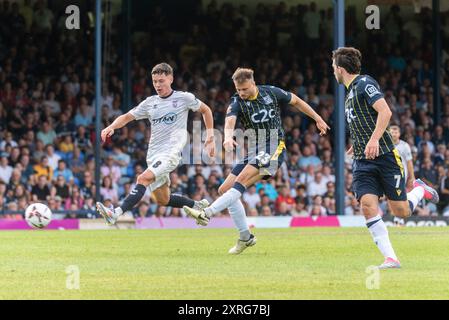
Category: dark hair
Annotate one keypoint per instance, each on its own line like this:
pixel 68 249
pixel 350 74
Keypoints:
pixel 349 58
pixel 162 68
pixel 395 125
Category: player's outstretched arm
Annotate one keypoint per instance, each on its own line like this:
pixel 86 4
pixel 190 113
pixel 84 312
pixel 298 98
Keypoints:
pixel 383 119
pixel 118 123
pixel 208 119
pixel 229 141
pixel 304 107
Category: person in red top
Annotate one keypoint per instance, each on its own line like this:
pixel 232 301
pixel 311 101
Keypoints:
pixel 284 196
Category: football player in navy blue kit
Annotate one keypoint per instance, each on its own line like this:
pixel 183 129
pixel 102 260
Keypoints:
pixel 377 167
pixel 258 107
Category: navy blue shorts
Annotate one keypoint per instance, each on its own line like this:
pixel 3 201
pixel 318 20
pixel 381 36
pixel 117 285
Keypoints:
pixel 267 161
pixel 381 176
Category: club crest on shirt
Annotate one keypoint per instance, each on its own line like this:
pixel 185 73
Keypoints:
pixel 371 90
pixel 175 103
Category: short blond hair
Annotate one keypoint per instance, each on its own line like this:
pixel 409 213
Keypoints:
pixel 243 74
pixel 162 68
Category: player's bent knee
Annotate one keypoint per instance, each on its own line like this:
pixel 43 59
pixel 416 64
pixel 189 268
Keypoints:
pixel 369 212
pixel 369 209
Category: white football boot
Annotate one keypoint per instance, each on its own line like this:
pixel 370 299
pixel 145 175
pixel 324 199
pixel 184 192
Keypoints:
pixel 108 213
pixel 242 245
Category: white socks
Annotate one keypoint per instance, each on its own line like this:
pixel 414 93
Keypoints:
pixel 238 215
pixel 379 232
pixel 415 196
pixel 223 202
pixel 118 211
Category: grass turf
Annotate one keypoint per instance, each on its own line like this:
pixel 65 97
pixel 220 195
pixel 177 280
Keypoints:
pixel 297 263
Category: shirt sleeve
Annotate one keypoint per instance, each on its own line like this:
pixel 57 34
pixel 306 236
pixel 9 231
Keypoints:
pixel 371 91
pixel 283 97
pixel 192 102
pixel 141 111
pixel 407 152
pixel 233 109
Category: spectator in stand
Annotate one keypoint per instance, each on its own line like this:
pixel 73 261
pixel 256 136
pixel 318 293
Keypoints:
pixel 107 190
pixel 27 168
pixel 18 193
pixel 62 170
pixel 306 177
pixel 293 167
pixel 47 135
pixel 330 205
pixel 84 116
pixel 317 202
pixel 266 211
pixel 77 164
pixel 121 159
pixel 75 198
pixel 268 189
pixel 61 188
pixel 15 180
pixel 43 168
pixel 308 159
pixel 66 146
pixel 284 202
pixel 112 170
pixel 41 191
pixel 299 210
pixel 327 174
pixel 198 186
pixel 38 152
pixel 82 140
pixel 88 186
pixel 8 141
pixel 5 169
pixel 251 198
pixel 330 193
pixel 65 126
pixel 14 156
pixel 143 210
pixel 42 18
pixel 427 173
pixel 53 157
pixel 265 202
pixel 318 186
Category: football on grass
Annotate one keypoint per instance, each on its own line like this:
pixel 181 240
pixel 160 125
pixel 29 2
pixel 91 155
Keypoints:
pixel 38 215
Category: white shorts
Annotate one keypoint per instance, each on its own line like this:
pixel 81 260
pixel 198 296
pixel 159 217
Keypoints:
pixel 162 165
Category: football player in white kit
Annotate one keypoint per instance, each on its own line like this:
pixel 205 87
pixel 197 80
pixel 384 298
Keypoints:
pixel 168 112
pixel 406 155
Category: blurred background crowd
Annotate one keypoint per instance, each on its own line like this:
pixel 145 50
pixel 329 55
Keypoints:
pixel 47 101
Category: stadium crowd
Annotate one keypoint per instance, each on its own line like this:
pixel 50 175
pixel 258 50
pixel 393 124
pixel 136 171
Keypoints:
pixel 47 98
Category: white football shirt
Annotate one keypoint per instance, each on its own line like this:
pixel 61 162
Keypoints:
pixel 406 154
pixel 168 118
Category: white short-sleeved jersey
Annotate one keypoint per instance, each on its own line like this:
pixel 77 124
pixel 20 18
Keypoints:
pixel 406 154
pixel 168 118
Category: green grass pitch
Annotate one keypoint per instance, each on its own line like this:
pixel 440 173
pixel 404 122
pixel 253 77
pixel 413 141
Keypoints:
pixel 297 263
